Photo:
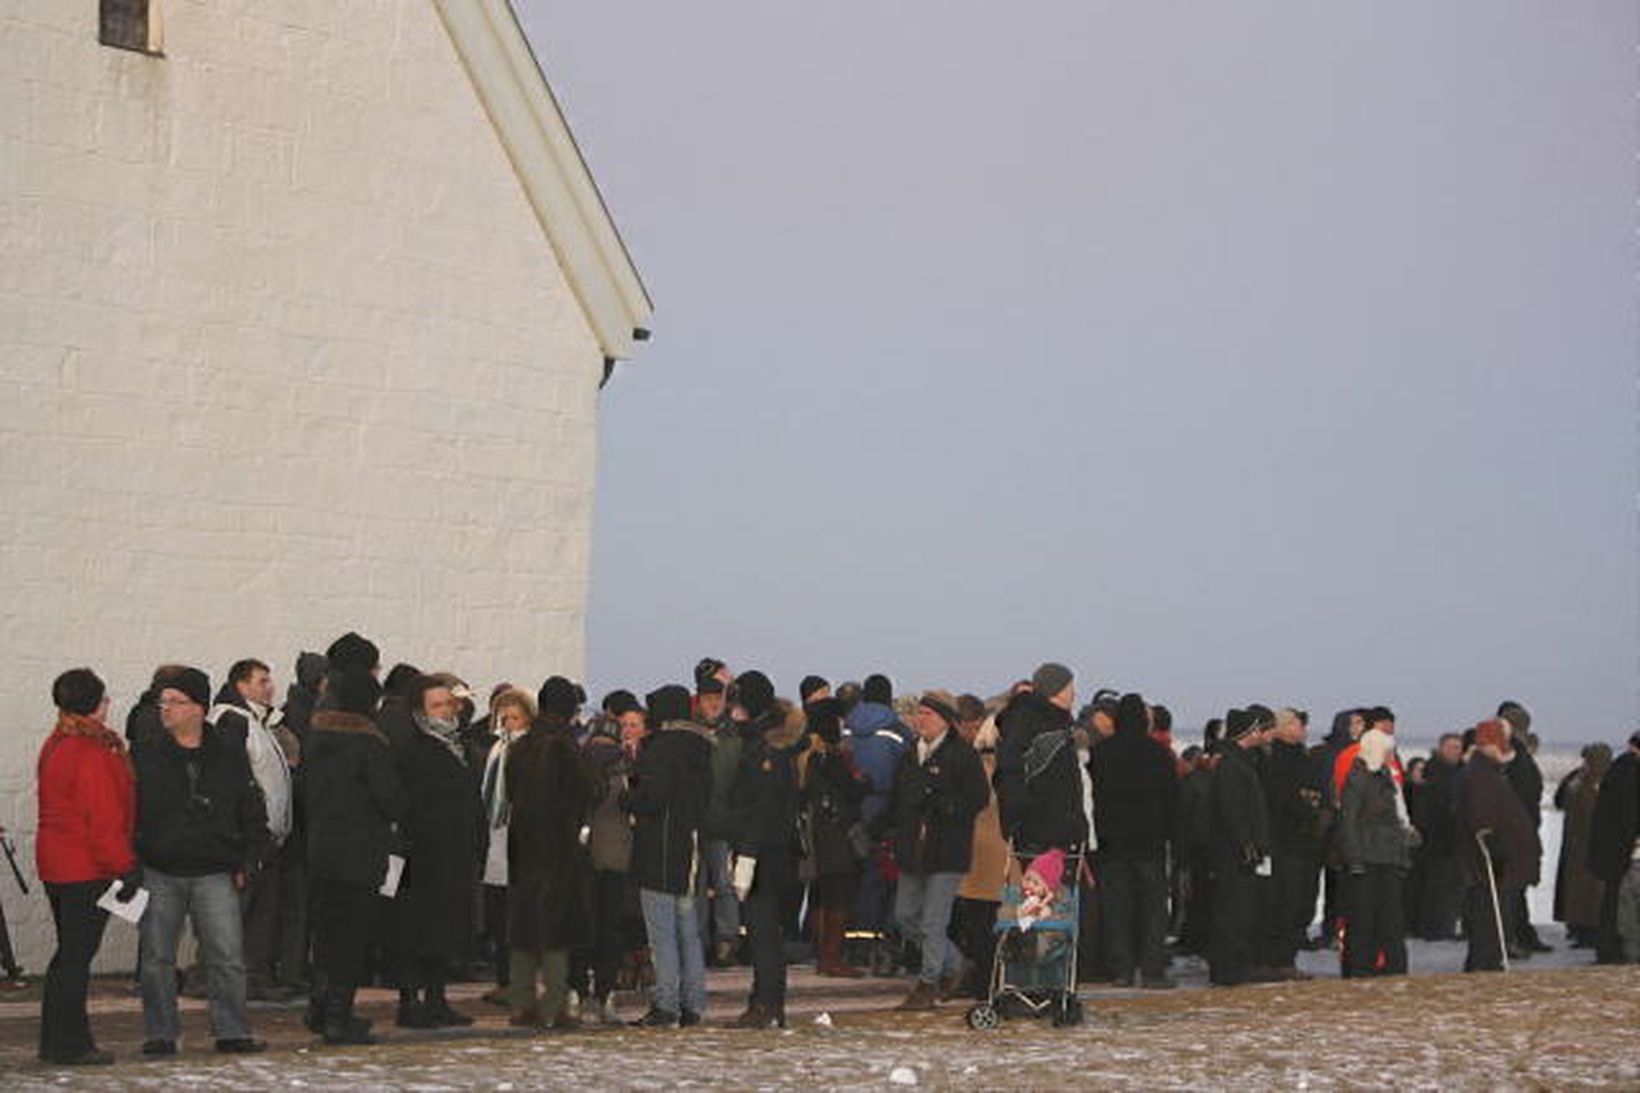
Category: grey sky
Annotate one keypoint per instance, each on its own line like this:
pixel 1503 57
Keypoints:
pixel 1231 352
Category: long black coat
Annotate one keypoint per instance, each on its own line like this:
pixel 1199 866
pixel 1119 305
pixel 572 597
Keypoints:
pixel 549 873
pixel 1435 810
pixel 1616 821
pixel 1135 796
pixel 1040 800
pixel 1527 781
pixel 932 806
pixel 443 832
pixel 1292 797
pixel 352 797
pixel 1240 833
pixel 672 786
pixel 833 791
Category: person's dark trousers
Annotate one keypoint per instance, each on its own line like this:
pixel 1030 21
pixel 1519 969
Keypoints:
pixel 1135 913
pixel 1292 882
pixel 593 968
pixel 1332 907
pixel 766 913
pixel 1198 912
pixel 292 955
pixel 495 929
pixel 1438 909
pixel 65 1031
pixel 260 904
pixel 1376 922
pixel 1524 933
pixel 1092 963
pixel 973 929
pixel 1480 926
pixel 346 913
pixel 8 958
pixel 1608 944
pixel 1235 910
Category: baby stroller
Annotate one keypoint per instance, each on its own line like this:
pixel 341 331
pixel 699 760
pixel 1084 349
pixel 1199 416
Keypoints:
pixel 1034 972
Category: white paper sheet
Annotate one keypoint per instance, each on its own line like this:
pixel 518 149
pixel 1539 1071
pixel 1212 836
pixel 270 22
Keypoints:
pixel 395 870
pixel 131 910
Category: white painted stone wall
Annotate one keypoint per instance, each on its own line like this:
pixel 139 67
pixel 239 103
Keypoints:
pixel 283 352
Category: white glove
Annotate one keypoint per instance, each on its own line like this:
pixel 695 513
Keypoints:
pixel 745 870
pixel 586 834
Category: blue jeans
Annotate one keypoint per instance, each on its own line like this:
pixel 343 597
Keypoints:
pixel 922 906
pixel 211 903
pixel 716 893
pixel 673 937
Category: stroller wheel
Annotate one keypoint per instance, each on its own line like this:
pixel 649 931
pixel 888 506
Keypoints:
pixel 1068 1013
pixel 984 1016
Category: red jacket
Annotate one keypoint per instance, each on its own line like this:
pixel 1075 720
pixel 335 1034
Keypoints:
pixel 88 810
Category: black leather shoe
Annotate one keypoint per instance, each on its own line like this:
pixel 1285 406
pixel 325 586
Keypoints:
pixel 440 1015
pixel 156 1048
pixel 89 1057
pixel 241 1045
pixel 688 1019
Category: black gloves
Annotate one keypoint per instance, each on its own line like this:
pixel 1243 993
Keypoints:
pixel 129 885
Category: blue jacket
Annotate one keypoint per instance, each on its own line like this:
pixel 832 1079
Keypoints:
pixel 877 740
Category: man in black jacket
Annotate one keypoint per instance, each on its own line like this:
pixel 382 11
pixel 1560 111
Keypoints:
pixel 938 790
pixel 1434 814
pixel 1614 857
pixel 671 787
pixel 1521 770
pixel 1497 849
pixel 763 807
pixel 1292 795
pixel 353 802
pixel 1240 849
pixel 1039 779
pixel 200 826
pixel 1135 801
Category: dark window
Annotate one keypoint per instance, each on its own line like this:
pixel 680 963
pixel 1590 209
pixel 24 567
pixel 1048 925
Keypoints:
pixel 124 24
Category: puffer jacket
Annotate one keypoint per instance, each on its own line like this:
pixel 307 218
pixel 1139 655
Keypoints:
pixel 876 740
pixel 1369 830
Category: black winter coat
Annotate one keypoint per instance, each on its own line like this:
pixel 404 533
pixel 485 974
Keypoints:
pixel 1135 796
pixel 672 787
pixel 1435 810
pixel 1616 821
pixel 199 810
pixel 932 806
pixel 1039 777
pixel 1292 797
pixel 1527 781
pixel 833 791
pixel 764 800
pixel 1369 827
pixel 1240 818
pixel 442 832
pixel 352 798
pixel 549 873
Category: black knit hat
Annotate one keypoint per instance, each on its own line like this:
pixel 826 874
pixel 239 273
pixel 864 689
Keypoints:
pixel 310 669
pixel 753 693
pixel 1238 723
pixel 708 668
pixel 192 682
pixel 353 651
pixel 711 685
pixel 352 690
pixel 668 703
pixel 1263 717
pixel 618 702
pixel 1051 678
pixel 809 686
pixel 78 691
pixel 825 719
pixel 878 689
pixel 558 696
pixel 941 703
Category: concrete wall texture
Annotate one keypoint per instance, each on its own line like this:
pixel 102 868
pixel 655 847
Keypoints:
pixel 285 353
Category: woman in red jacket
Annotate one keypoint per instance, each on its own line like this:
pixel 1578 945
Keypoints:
pixel 88 809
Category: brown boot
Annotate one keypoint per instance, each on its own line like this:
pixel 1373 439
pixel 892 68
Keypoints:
pixel 526 1018
pixel 924 996
pixel 830 929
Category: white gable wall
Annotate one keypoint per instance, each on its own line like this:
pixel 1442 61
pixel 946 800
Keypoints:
pixel 283 352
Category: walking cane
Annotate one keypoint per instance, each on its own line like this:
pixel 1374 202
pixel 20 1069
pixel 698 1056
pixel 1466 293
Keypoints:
pixel 1492 883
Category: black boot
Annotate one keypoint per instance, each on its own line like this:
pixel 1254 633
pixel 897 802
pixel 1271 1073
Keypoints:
pixel 314 1019
pixel 341 1027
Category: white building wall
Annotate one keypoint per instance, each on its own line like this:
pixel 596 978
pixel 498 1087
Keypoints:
pixel 283 352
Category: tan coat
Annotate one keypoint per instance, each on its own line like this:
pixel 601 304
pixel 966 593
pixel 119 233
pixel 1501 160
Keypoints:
pixel 990 863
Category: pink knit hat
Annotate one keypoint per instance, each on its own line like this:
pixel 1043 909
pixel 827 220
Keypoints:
pixel 1050 866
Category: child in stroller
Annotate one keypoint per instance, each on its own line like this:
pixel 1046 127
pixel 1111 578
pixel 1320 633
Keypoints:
pixel 1035 968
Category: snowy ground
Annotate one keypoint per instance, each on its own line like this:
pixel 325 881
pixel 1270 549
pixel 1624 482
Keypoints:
pixel 1555 1023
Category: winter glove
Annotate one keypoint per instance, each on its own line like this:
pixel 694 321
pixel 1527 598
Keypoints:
pixel 586 834
pixel 129 884
pixel 745 871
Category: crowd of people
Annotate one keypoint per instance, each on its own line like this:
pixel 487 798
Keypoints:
pixel 401 829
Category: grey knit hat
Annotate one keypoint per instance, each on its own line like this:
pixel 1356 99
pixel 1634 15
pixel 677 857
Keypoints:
pixel 1050 679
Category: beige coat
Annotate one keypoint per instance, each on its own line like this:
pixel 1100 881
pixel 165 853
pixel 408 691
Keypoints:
pixel 990 863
